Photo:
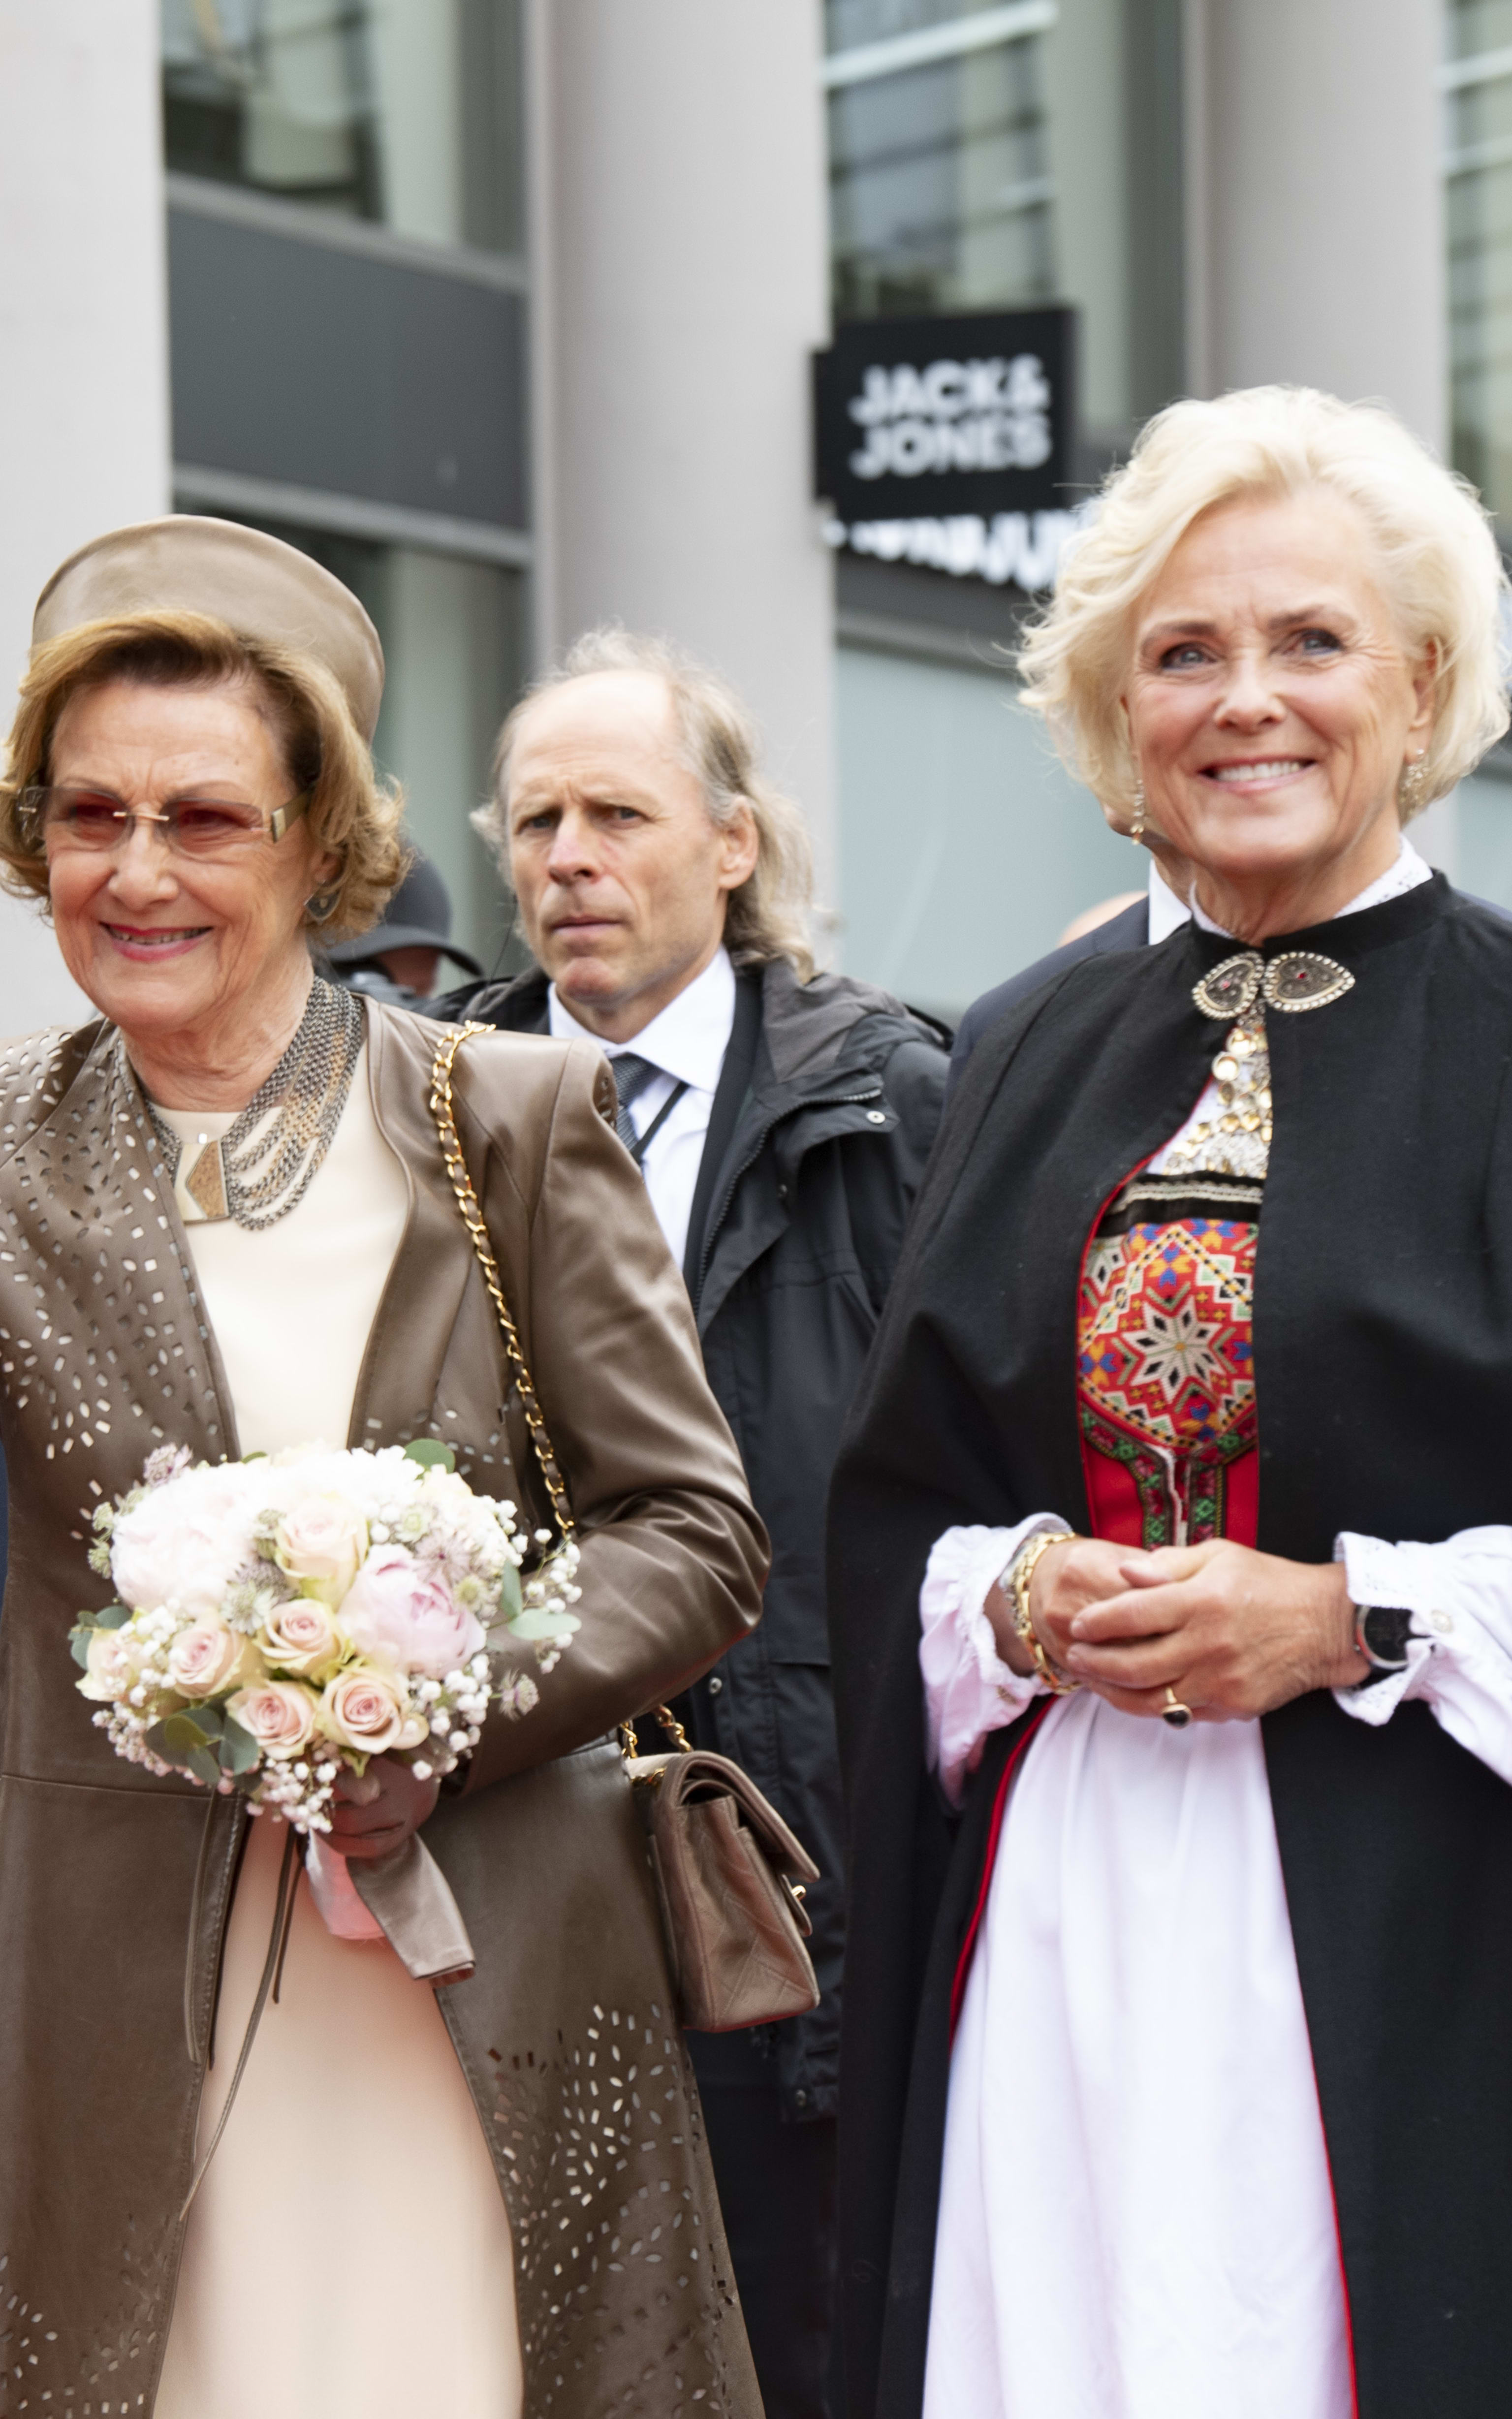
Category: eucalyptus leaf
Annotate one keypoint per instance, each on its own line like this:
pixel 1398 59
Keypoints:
pixel 115 1616
pixel 186 1735
pixel 430 1452
pixel 158 1744
pixel 205 1766
pixel 511 1600
pixel 239 1749
pixel 79 1643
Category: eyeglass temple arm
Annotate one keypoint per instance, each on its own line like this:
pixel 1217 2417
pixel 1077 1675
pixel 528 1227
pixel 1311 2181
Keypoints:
pixel 281 817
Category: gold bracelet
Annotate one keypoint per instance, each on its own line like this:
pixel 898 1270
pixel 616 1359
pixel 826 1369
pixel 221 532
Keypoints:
pixel 1021 1577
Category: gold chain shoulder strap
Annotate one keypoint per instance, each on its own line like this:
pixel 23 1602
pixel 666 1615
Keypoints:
pixel 467 1201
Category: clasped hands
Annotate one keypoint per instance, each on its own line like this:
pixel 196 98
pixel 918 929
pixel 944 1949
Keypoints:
pixel 1234 1633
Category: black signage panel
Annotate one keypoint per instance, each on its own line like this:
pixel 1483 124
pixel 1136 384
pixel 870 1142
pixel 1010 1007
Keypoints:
pixel 927 417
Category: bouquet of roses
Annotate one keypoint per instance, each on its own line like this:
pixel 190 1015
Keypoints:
pixel 282 1617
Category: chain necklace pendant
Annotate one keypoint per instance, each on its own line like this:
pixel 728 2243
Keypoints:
pixel 205 1181
pixel 262 1168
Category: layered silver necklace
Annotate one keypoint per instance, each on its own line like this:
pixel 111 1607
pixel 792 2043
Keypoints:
pixel 265 1162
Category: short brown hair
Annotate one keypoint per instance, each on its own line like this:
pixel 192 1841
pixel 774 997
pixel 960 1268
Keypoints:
pixel 768 916
pixel 352 813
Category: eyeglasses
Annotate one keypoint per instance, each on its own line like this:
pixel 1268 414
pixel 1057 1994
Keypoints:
pixel 73 818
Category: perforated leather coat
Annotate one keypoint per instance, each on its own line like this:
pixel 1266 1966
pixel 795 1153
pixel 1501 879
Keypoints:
pixel 108 1875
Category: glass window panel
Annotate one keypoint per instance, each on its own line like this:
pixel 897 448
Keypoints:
pixel 401 111
pixel 452 635
pixel 1478 212
pixel 1043 168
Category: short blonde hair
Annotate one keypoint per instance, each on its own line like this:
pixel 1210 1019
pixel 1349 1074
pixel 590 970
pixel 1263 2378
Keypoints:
pixel 768 916
pixel 350 814
pixel 1438 560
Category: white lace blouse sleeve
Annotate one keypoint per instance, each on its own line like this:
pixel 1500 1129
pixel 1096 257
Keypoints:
pixel 1460 1653
pixel 968 1691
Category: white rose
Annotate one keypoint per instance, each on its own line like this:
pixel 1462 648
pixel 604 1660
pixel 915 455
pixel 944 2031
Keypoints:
pixel 186 1540
pixel 369 1709
pixel 279 1714
pixel 321 1543
pixel 205 1658
pixel 303 1637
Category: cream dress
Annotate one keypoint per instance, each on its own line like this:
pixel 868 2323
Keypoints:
pixel 348 2256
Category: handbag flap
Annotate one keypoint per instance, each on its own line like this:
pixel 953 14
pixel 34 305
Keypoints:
pixel 683 1777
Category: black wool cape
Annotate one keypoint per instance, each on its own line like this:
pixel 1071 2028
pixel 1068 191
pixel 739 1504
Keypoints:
pixel 1383 1375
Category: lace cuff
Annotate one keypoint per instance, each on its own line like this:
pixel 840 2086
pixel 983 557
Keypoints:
pixel 969 1691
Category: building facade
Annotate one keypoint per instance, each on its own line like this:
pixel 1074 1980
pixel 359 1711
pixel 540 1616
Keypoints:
pixel 504 309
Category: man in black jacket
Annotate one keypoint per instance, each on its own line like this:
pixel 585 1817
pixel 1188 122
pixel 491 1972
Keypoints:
pixel 781 1119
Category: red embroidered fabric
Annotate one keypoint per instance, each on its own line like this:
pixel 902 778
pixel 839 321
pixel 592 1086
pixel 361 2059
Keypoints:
pixel 1165 1383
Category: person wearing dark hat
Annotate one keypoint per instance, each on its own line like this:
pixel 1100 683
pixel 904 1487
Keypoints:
pixel 227 1226
pixel 400 957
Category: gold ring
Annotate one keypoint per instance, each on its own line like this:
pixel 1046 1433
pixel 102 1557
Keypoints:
pixel 1175 1712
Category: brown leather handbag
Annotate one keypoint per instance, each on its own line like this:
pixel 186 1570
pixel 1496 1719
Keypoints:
pixel 729 1874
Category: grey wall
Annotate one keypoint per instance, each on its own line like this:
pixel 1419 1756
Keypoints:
pixel 966 846
pixel 680 266
pixel 83 401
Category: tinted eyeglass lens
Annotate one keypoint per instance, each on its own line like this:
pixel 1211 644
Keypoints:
pixel 194 827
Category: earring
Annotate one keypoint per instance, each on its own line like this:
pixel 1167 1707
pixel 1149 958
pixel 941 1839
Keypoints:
pixel 321 905
pixel 1411 786
pixel 1137 828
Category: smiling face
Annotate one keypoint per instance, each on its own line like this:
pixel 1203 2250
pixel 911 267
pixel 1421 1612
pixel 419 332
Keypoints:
pixel 1273 707
pixel 622 876
pixel 188 950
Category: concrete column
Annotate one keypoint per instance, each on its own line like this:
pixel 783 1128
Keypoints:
pixel 1325 220
pixel 83 401
pixel 679 221
pixel 1317 211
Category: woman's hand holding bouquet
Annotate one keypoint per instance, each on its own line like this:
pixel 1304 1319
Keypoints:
pixel 281 1621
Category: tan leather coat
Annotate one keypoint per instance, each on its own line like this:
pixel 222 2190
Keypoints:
pixel 115 1885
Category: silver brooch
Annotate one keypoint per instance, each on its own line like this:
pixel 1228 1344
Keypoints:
pixel 1299 979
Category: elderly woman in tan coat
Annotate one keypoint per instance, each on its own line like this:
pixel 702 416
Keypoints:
pixel 225 1223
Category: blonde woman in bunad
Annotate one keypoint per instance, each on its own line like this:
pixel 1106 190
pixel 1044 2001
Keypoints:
pixel 226 1224
pixel 1172 1543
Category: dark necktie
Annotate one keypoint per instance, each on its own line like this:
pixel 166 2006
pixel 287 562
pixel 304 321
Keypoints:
pixel 631 1076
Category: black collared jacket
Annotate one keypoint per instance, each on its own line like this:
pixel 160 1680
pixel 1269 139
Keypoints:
pixel 821 1128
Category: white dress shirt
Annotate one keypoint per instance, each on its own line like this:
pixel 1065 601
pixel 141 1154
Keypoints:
pixel 687 1042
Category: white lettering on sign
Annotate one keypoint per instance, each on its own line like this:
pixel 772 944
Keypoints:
pixel 992 415
pixel 1025 548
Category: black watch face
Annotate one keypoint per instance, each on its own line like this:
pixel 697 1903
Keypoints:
pixel 1385 1629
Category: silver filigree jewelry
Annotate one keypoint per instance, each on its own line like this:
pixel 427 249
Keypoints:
pixel 1411 785
pixel 1298 979
pixel 1137 828
pixel 1236 1139
pixel 263 1165
pixel 321 904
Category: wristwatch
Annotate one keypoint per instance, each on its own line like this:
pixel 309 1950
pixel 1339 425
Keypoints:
pixel 1381 1633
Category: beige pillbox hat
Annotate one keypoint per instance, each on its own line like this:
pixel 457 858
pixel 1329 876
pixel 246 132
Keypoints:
pixel 259 585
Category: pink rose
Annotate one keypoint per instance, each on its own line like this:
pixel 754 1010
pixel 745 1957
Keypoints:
pixel 114 1668
pixel 392 1609
pixel 279 1714
pixel 320 1542
pixel 303 1637
pixel 205 1658
pixel 369 1710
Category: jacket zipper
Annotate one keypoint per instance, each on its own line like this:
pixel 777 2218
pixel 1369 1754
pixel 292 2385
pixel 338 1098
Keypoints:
pixel 717 1216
